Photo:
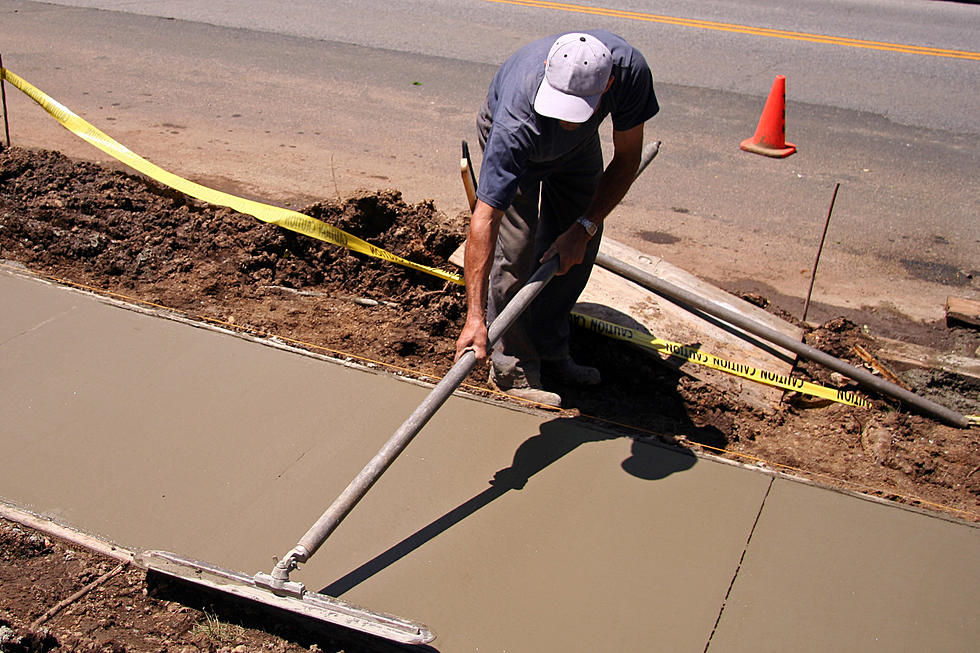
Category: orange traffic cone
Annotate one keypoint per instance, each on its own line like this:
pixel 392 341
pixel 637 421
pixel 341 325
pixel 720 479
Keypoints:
pixel 770 135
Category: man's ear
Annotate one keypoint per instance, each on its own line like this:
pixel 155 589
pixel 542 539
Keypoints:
pixel 609 84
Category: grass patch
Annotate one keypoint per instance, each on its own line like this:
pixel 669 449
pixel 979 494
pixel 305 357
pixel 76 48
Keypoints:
pixel 217 631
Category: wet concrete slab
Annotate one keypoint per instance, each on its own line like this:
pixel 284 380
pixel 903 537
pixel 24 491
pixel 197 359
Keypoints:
pixel 826 571
pixel 502 530
pixel 609 545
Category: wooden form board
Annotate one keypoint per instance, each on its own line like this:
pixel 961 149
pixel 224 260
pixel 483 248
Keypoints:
pixel 614 299
pixel 961 309
pixel 905 355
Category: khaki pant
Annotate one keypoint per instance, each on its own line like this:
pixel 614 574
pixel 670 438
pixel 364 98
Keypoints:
pixel 550 198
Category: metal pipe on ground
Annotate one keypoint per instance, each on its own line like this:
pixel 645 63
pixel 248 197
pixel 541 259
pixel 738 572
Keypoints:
pixel 688 300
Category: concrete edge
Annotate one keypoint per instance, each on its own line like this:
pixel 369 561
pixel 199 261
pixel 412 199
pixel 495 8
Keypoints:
pixel 49 526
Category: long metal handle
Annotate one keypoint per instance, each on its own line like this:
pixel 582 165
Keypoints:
pixel 649 153
pixel 687 299
pixel 363 482
pixel 355 491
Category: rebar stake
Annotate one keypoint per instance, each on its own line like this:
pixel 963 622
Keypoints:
pixel 813 275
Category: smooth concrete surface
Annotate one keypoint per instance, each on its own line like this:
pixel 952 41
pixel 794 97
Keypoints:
pixel 502 530
pixel 825 571
pixel 155 434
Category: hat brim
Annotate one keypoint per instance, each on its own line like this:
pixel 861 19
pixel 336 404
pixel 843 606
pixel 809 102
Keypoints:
pixel 552 103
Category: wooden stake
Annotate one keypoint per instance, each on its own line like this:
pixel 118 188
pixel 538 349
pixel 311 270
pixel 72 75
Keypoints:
pixel 962 310
pixel 878 366
pixel 3 97
pixel 469 177
pixel 77 595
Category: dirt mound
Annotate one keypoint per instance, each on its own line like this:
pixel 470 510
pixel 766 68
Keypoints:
pixel 123 234
pixel 128 235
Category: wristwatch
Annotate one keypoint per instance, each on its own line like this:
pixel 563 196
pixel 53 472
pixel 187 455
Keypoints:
pixel 590 227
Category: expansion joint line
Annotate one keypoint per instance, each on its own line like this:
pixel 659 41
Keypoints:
pixel 738 567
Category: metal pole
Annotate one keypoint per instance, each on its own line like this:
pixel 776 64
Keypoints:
pixel 813 276
pixel 3 96
pixel 648 154
pixel 349 498
pixel 355 491
pixel 687 300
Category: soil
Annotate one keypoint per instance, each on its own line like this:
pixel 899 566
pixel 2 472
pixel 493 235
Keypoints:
pixel 121 234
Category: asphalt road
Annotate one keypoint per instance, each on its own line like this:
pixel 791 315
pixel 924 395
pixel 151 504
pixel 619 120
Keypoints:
pixel 294 102
pixel 714 47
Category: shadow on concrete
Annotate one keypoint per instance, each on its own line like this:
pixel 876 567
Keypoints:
pixel 558 438
pixel 640 390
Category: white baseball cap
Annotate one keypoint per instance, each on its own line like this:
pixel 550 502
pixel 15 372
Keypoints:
pixel 575 77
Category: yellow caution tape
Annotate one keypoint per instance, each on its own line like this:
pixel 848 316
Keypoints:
pixel 974 420
pixel 695 355
pixel 285 218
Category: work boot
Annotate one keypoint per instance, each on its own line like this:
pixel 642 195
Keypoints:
pixel 568 372
pixel 521 389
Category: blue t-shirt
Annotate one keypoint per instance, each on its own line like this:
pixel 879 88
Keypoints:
pixel 520 139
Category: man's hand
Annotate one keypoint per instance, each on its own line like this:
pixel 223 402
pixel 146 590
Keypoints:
pixel 480 241
pixel 569 248
pixel 473 338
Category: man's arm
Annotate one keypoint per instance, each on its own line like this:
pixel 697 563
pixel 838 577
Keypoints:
pixel 618 175
pixel 613 185
pixel 480 243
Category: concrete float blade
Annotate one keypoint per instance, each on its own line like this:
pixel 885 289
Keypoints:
pixel 308 604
